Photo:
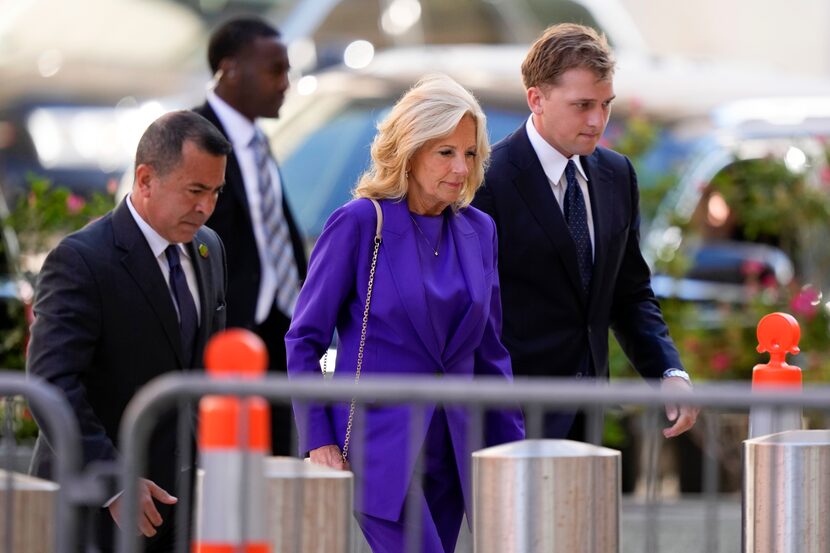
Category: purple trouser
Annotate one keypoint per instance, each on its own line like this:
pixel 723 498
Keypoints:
pixel 437 492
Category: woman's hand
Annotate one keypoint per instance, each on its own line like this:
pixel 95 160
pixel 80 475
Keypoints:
pixel 329 456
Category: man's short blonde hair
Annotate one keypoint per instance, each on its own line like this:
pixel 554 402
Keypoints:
pixel 429 110
pixel 563 47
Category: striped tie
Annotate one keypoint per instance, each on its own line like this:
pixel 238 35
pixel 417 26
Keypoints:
pixel 275 229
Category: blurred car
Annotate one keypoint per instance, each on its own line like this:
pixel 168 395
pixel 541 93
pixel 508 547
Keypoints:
pixel 81 146
pixel 74 78
pixel 321 33
pixel 774 142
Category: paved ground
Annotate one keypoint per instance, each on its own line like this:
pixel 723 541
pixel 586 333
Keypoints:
pixel 681 527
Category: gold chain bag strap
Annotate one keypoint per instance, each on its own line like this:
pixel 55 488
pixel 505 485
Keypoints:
pixel 378 240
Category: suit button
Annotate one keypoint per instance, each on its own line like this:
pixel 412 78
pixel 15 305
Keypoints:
pixel 578 376
pixel 589 330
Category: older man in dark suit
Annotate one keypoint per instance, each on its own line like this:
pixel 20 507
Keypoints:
pixel 266 257
pixel 132 296
pixel 568 222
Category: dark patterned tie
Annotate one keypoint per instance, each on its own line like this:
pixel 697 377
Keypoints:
pixel 275 227
pixel 577 219
pixel 188 319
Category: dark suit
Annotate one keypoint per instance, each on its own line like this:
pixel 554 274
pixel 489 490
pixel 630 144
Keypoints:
pixel 106 324
pixel 232 221
pixel 551 326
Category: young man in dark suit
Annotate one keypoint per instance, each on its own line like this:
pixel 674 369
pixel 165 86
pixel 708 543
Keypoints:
pixel 568 222
pixel 266 257
pixel 131 296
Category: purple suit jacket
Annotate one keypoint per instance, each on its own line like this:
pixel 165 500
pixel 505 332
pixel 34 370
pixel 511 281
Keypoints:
pixel 399 340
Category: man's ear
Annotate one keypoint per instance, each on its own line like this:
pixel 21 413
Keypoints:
pixel 228 69
pixel 534 99
pixel 144 175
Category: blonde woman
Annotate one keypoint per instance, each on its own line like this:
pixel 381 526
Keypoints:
pixel 434 310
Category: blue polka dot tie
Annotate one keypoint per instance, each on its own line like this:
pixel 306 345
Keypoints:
pixel 577 218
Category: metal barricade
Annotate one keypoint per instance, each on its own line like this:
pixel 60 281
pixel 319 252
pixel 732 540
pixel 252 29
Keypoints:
pixel 23 498
pixel 708 523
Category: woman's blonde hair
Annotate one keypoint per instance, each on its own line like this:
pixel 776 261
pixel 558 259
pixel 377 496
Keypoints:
pixel 431 109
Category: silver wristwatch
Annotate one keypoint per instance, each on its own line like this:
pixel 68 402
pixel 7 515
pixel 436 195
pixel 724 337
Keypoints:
pixel 677 372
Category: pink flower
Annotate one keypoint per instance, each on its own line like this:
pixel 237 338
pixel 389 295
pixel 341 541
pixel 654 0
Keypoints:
pixel 721 362
pixel 74 204
pixel 825 175
pixel 112 187
pixel 752 268
pixel 806 302
pixel 769 281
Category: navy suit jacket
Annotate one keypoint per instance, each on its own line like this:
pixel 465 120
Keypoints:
pixel 551 326
pixel 106 324
pixel 232 221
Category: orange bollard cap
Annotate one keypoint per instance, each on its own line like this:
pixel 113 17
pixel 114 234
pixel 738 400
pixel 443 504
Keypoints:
pixel 778 335
pixel 236 352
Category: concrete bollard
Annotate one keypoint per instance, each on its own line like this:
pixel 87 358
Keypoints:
pixel 308 507
pixel 551 496
pixel 33 513
pixel 786 505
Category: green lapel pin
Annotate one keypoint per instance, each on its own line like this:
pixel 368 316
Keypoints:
pixel 203 251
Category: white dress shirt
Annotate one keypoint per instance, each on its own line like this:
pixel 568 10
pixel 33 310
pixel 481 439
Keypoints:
pixel 553 163
pixel 157 246
pixel 240 133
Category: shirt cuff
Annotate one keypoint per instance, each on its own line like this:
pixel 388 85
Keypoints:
pixel 112 499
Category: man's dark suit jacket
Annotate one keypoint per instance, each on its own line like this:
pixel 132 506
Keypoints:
pixel 106 324
pixel 551 326
pixel 232 221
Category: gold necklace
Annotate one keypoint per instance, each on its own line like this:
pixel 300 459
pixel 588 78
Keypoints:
pixel 424 236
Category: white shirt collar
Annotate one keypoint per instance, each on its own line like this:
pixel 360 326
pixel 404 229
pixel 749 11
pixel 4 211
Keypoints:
pixel 239 128
pixel 553 162
pixel 156 242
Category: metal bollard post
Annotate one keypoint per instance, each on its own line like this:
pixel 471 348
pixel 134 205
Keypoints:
pixel 551 496
pixel 786 504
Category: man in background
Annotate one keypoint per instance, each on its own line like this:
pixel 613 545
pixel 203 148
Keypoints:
pixel 266 259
